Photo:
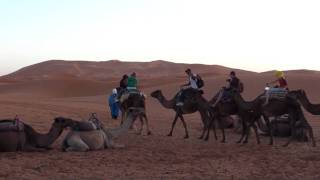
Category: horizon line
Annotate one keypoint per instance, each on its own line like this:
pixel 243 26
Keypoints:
pixel 143 61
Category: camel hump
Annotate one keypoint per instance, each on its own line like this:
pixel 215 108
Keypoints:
pixel 191 91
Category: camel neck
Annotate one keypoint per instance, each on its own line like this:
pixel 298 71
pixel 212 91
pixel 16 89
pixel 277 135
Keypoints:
pixel 123 129
pixel 214 98
pixel 167 104
pixel 312 108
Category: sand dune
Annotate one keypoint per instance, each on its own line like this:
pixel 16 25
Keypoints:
pixel 106 70
pixel 77 89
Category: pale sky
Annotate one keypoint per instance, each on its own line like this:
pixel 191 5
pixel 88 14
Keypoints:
pixel 256 35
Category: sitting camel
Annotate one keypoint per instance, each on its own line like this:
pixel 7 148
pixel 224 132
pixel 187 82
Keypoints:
pixel 274 108
pixel 84 137
pixel 281 128
pixel 134 99
pixel 195 102
pixel 18 136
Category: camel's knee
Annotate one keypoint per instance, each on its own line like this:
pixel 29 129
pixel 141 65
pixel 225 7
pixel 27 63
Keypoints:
pixel 76 144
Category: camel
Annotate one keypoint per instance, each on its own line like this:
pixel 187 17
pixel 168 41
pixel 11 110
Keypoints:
pixel 90 140
pixel 301 96
pixel 135 99
pixel 281 128
pixel 274 108
pixel 220 111
pixel 195 102
pixel 25 138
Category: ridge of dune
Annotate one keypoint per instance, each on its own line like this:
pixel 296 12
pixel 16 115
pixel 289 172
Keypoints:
pixel 104 70
pixel 57 78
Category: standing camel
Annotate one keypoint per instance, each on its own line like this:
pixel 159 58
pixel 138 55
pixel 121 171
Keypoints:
pixel 137 100
pixel 25 138
pixel 195 102
pixel 220 111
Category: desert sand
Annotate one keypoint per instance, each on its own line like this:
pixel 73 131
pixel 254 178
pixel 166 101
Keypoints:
pixel 41 92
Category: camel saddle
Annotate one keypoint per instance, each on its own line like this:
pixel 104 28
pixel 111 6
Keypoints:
pixel 127 94
pixel 276 93
pixel 11 125
pixel 90 125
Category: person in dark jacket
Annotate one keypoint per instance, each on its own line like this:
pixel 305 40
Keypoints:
pixel 123 86
pixel 233 84
pixel 124 82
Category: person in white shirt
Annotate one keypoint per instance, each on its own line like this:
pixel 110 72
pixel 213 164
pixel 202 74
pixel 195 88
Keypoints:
pixel 191 84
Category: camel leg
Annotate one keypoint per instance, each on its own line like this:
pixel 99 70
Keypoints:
pixel 210 124
pixel 118 146
pixel 246 140
pixel 292 119
pixel 244 130
pixel 310 131
pixel 30 148
pixel 256 132
pixel 211 118
pixel 76 144
pixel 141 125
pixel 223 136
pixel 291 136
pixel 109 143
pixel 147 124
pixel 222 130
pixel 214 131
pixel 123 116
pixel 267 120
pixel 173 124
pixel 204 125
pixel 185 127
pixel 252 124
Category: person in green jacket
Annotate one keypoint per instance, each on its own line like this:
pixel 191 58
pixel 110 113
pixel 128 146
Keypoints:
pixel 132 81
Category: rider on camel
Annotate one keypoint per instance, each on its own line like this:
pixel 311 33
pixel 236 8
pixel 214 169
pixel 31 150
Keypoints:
pixel 192 84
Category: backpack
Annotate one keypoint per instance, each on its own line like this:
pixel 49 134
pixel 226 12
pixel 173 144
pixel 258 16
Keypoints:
pixel 241 87
pixel 200 82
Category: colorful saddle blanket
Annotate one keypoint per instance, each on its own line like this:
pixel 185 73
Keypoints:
pixel 130 92
pixel 276 93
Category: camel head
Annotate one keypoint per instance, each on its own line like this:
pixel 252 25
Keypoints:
pixel 62 122
pixel 156 94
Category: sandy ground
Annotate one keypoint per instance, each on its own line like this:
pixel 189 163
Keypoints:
pixel 150 157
